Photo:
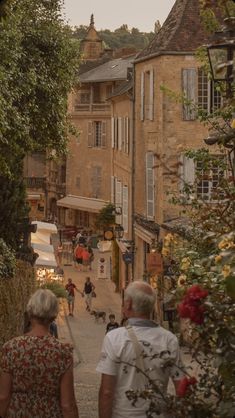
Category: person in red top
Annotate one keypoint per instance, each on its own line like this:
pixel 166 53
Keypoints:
pixel 70 287
pixel 78 255
pixel 85 258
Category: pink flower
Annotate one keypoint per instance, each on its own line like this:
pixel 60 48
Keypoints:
pixel 191 306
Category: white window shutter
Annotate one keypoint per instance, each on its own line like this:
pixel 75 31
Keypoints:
pixel 125 208
pixel 127 135
pixel 151 95
pixel 150 185
pixel 112 132
pixel 103 135
pixel 118 199
pixel 116 133
pixel 189 91
pixel 90 134
pixel 189 170
pixel 120 134
pixel 142 96
pixel 112 189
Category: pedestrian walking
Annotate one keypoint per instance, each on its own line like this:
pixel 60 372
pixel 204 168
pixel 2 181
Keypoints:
pixel 91 259
pixel 60 253
pixel 85 259
pixel 78 256
pixel 70 289
pixel 142 345
pixel 87 292
pixel 112 323
pixel 37 369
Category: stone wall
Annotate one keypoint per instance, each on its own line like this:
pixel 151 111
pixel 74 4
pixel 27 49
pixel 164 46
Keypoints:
pixel 14 296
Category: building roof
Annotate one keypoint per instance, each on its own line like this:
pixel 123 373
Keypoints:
pixel 122 89
pixel 182 32
pixel 110 71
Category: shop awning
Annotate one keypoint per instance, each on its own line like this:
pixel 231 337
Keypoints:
pixel 43 233
pixel 144 234
pixel 45 259
pixel 82 203
pixel 45 226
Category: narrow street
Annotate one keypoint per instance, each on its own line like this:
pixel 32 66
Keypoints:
pixel 86 334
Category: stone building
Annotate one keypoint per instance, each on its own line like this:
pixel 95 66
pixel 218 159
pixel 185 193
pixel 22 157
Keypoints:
pixel 89 159
pixel 165 129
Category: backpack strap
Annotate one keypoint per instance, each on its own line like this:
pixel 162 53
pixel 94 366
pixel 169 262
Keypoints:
pixel 137 348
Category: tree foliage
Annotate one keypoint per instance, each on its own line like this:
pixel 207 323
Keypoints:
pixel 119 38
pixel 38 67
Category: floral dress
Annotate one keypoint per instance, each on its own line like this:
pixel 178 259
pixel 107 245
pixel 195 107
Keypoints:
pixel 36 365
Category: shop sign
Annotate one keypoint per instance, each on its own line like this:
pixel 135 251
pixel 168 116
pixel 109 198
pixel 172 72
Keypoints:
pixel 128 257
pixel 154 263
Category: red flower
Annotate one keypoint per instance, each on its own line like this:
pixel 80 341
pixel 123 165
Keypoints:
pixel 184 384
pixel 191 306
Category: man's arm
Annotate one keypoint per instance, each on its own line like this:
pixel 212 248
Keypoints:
pixel 106 395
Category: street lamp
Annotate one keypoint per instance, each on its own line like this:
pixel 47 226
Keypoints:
pixel 221 53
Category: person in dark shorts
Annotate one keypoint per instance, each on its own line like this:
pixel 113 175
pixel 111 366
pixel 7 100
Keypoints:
pixel 70 289
pixel 78 256
pixel 112 323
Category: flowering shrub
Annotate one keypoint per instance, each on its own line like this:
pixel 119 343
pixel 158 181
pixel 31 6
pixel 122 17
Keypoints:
pixel 191 306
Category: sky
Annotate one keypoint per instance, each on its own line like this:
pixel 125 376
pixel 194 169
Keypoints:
pixel 111 14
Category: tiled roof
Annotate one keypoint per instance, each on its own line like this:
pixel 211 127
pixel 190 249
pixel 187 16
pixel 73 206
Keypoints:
pixel 88 65
pixel 123 88
pixel 181 32
pixel 112 70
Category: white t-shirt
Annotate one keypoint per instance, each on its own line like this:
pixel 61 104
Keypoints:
pixel 118 356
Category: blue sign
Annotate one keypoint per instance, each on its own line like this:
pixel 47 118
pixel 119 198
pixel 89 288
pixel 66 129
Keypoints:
pixel 127 257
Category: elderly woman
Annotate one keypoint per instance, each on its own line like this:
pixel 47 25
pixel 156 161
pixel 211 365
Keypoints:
pixel 37 369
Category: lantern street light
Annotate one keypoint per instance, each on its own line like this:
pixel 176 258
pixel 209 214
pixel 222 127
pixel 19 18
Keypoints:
pixel 221 53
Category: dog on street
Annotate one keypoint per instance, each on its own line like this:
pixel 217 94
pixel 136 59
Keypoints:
pixel 98 315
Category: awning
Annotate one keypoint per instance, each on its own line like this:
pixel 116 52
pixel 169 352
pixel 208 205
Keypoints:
pixel 45 226
pixel 46 255
pixel 33 196
pixel 82 203
pixel 145 235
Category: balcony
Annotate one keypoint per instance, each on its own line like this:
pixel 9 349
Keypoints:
pixel 92 107
pixel 35 182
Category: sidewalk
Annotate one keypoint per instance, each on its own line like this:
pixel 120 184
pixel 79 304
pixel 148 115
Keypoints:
pixel 86 334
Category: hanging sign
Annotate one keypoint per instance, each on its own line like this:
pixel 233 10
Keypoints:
pixel 154 263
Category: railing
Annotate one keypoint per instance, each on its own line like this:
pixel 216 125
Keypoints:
pixel 93 107
pixel 35 182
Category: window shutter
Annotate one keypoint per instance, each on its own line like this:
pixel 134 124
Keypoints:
pixel 142 96
pixel 96 181
pixel 113 132
pixel 118 199
pixel 125 208
pixel 116 133
pixel 188 170
pixel 124 134
pixel 119 133
pixel 151 95
pixel 150 185
pixel 112 189
pixel 127 136
pixel 189 91
pixel 103 135
pixel 90 134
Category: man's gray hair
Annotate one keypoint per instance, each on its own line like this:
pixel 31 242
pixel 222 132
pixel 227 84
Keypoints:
pixel 143 297
pixel 43 305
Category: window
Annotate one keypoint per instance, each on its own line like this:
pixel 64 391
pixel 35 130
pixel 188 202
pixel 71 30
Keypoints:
pixel 96 181
pixel 209 98
pixel 198 89
pixel 85 98
pixel 150 184
pixel 147 95
pixel 208 180
pixel 82 218
pixel 78 182
pixel 120 133
pixel 125 208
pixel 118 199
pixel 97 134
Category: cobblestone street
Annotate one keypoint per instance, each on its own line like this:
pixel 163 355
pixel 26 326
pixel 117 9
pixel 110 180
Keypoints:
pixel 87 335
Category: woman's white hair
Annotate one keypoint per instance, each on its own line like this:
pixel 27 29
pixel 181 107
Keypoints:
pixel 43 306
pixel 142 295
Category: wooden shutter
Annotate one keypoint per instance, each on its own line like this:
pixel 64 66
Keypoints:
pixel 142 96
pixel 125 208
pixel 103 134
pixel 113 132
pixel 90 134
pixel 127 135
pixel 112 189
pixel 187 173
pixel 119 133
pixel 189 91
pixel 150 185
pixel 96 181
pixel 151 94
pixel 118 199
